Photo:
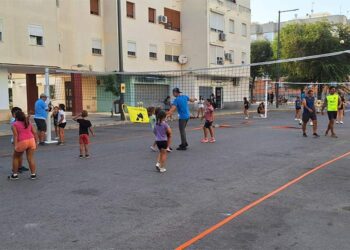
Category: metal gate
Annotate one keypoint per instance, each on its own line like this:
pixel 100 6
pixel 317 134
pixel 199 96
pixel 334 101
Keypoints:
pixel 151 94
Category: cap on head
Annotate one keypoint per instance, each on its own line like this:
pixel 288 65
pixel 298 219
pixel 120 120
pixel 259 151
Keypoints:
pixel 176 90
pixel 43 96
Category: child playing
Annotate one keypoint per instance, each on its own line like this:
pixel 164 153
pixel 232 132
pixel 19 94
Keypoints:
pixel 55 121
pixel 84 127
pixel 25 140
pixel 246 108
pixel 163 133
pixel 152 121
pixel 61 123
pixel 208 125
pixel 298 110
pixel 14 110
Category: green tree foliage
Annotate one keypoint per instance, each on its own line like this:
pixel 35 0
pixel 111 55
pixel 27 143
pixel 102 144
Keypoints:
pixel 298 40
pixel 261 51
pixel 111 83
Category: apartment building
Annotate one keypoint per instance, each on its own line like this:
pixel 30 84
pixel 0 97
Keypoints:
pixel 268 31
pixel 82 35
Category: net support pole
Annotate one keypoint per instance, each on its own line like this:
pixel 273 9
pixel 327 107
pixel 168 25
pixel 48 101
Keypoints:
pixel 48 119
pixel 266 90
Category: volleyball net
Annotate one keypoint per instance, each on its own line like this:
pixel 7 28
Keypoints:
pixel 226 85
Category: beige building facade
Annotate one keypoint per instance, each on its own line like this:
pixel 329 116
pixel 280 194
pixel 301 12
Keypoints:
pixel 82 35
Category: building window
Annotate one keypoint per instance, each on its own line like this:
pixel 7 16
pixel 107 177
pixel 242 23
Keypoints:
pixel 1 30
pixel 269 36
pixel 229 56
pixel 172 52
pixel 232 26
pixel 130 9
pixel 244 29
pixel 217 22
pixel 132 49
pixel 151 15
pixel 153 51
pixel 173 19
pixel 36 35
pixel 95 7
pixel 96 47
pixel 216 55
pixel 244 58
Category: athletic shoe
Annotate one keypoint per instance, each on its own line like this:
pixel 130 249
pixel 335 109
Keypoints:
pixel 205 140
pixel 162 170
pixel 311 123
pixel 13 177
pixel 246 118
pixel 81 156
pixel 315 135
pixel 304 135
pixel 212 140
pixel 296 119
pixel 169 150
pixel 334 136
pixel 153 149
pixel 33 176
pixel 42 144
pixel 61 144
pixel 23 169
pixel 181 148
pixel 56 138
pixel 341 122
pixel 300 123
pixel 87 156
pixel 158 166
pixel 336 122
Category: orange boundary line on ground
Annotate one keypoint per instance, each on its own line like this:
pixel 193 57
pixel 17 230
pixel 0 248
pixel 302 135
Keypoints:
pixel 257 202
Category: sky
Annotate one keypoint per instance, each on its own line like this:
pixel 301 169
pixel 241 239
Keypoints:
pixel 264 11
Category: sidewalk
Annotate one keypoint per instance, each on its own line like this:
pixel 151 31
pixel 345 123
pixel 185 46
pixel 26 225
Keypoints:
pixel 105 119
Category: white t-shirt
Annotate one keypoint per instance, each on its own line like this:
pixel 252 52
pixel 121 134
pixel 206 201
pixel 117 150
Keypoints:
pixel 61 114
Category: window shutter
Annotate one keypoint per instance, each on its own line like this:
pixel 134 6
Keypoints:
pixel 168 49
pixel 153 48
pixel 151 15
pixel 132 46
pixel 130 9
pixel 97 44
pixel 36 30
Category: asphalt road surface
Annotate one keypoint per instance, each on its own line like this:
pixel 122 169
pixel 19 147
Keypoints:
pixel 116 199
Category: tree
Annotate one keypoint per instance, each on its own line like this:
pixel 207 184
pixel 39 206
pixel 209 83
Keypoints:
pixel 298 40
pixel 261 51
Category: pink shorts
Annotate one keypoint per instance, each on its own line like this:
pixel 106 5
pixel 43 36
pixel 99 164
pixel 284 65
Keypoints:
pixel 24 145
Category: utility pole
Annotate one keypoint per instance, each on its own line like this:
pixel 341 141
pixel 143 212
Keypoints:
pixel 121 62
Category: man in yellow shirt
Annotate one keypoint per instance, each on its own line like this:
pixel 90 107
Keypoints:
pixel 332 102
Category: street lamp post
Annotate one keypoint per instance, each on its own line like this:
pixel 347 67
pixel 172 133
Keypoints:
pixel 279 52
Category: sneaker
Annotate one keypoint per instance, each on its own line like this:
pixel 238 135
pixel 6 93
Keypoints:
pixel 334 136
pixel 87 156
pixel 205 140
pixel 56 138
pixel 153 149
pixel 336 122
pixel 212 140
pixel 341 122
pixel 181 148
pixel 158 166
pixel 169 150
pixel 304 135
pixel 162 170
pixel 42 143
pixel 61 144
pixel 33 176
pixel 23 169
pixel 296 119
pixel 311 123
pixel 13 177
pixel 315 135
pixel 246 118
pixel 81 156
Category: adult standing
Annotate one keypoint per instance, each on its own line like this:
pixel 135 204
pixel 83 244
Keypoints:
pixel 309 112
pixel 341 109
pixel 41 110
pixel 332 102
pixel 181 105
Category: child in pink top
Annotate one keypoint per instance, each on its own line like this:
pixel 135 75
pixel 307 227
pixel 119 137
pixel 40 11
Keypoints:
pixel 208 125
pixel 24 140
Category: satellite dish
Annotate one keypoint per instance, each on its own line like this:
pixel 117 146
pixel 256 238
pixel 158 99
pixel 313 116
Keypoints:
pixel 183 59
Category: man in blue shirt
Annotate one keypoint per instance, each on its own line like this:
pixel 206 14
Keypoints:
pixel 181 105
pixel 41 109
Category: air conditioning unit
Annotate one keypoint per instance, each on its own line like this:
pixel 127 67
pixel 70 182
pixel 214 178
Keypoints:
pixel 220 60
pixel 163 19
pixel 228 57
pixel 222 36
